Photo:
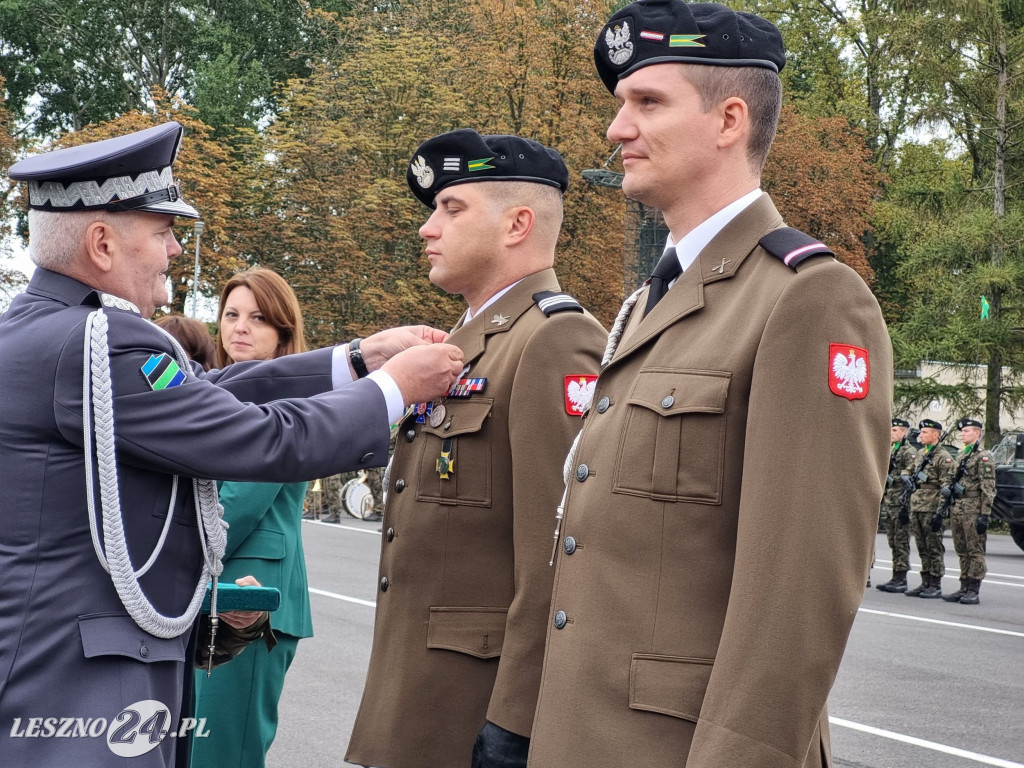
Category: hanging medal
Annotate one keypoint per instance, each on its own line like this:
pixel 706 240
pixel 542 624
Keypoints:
pixel 445 464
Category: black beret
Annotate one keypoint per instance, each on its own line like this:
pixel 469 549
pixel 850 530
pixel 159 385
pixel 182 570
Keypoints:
pixel 930 423
pixel 901 423
pixel 969 423
pixel 658 31
pixel 126 173
pixel 463 156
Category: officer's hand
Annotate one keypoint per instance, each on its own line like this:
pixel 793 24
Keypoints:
pixel 497 748
pixel 904 516
pixel 243 619
pixel 945 492
pixel 982 525
pixel 425 372
pixel 381 347
pixel 936 522
pixel 908 483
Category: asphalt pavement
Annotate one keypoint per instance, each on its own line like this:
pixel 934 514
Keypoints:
pixel 923 684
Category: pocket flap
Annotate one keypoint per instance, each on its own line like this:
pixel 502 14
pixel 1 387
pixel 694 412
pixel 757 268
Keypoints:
pixel 263 543
pixel 116 634
pixel 671 685
pixel 478 632
pixel 670 392
pixel 465 416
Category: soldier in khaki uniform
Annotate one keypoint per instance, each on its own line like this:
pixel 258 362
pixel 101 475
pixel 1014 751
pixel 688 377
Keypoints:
pixel 465 580
pixel 969 516
pixel 710 570
pixel 931 469
pixel 901 457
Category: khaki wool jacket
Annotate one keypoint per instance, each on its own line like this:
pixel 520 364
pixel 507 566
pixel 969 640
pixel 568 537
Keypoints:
pixel 722 508
pixel 460 627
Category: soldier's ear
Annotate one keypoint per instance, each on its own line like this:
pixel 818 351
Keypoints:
pixel 520 222
pixel 101 243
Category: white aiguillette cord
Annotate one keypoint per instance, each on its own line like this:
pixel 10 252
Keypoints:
pixel 609 352
pixel 97 403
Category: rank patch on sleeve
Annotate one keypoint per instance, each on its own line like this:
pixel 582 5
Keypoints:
pixel 579 390
pixel 162 372
pixel 848 372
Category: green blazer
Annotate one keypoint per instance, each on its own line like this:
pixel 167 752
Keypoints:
pixel 265 540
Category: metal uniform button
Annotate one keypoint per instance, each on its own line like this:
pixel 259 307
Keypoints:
pixel 144 651
pixel 560 619
pixel 582 472
pixel 384 583
pixel 399 485
pixel 410 435
pixel 668 402
pixel 390 535
pixel 569 545
pixel 602 404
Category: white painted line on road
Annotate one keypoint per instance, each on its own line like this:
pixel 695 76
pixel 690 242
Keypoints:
pixel 954 573
pixel 346 598
pixel 943 623
pixel 984 759
pixel 374 531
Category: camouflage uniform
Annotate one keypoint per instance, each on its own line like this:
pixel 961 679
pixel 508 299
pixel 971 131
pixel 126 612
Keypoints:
pixel 898 535
pixel 923 504
pixel 979 482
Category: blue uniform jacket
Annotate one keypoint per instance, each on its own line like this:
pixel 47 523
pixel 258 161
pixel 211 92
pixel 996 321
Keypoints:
pixel 68 650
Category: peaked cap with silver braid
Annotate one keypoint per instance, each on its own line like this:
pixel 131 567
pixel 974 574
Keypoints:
pixel 113 555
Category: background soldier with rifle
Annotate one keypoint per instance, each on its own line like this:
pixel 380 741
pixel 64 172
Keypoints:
pixel 922 483
pixel 969 498
pixel 901 458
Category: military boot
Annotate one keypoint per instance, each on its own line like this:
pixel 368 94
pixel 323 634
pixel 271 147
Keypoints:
pixel 934 587
pixel 898 583
pixel 954 597
pixel 916 591
pixel 971 595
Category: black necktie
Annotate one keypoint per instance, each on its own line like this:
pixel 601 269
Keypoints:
pixel 667 270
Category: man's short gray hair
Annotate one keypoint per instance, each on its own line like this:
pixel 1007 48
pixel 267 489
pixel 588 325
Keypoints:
pixel 55 238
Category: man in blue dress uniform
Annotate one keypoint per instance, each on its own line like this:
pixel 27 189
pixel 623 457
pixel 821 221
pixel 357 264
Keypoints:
pixel 107 539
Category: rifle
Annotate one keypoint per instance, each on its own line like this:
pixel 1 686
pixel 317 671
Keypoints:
pixel 953 492
pixel 910 482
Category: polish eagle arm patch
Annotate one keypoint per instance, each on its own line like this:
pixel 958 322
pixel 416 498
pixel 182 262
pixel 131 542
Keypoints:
pixel 792 247
pixel 551 302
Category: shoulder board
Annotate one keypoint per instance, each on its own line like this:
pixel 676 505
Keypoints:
pixel 552 301
pixel 792 246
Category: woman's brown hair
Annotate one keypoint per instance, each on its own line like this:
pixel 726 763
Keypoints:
pixel 277 302
pixel 193 336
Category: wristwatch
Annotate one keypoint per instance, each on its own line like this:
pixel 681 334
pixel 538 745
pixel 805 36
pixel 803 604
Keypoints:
pixel 355 356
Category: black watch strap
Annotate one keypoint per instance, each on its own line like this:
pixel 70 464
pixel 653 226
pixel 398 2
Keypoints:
pixel 355 356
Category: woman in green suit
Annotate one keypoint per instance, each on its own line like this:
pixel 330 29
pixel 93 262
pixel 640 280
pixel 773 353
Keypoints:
pixel 259 320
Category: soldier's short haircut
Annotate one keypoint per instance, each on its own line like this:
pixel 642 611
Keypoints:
pixel 759 87
pixel 544 200
pixel 55 238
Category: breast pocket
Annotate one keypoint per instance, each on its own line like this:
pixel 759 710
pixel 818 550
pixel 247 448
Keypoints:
pixel 673 445
pixel 464 435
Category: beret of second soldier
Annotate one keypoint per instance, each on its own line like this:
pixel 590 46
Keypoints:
pixel 659 31
pixel 126 173
pixel 969 423
pixel 463 156
pixel 901 423
pixel 929 423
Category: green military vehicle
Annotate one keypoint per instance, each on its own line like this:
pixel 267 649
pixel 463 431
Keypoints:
pixel 1009 503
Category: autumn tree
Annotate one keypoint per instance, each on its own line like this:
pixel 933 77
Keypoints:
pixel 337 217
pixel 821 178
